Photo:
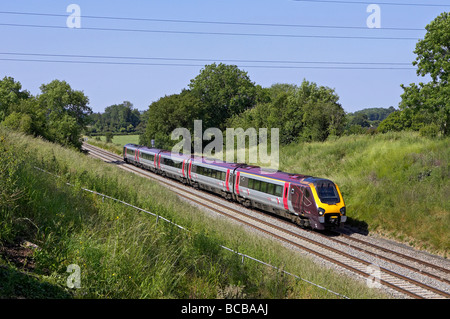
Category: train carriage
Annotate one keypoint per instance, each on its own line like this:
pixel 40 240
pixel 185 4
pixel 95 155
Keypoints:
pixel 148 158
pixel 305 200
pixel 212 175
pixel 173 165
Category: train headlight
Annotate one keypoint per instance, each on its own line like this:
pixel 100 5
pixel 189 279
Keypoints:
pixel 321 211
pixel 343 211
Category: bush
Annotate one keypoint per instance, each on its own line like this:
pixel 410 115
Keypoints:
pixel 431 130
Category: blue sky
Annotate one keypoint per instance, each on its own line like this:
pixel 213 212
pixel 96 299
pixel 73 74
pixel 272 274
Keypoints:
pixel 107 84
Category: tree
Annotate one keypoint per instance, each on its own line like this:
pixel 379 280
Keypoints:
pixel 66 112
pixel 59 98
pixel 223 91
pixel 308 112
pixel 429 103
pixel 168 113
pixel 11 94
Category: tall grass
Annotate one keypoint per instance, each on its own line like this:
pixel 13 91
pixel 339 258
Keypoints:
pixel 123 253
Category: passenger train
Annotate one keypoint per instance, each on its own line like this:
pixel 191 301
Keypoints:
pixel 305 200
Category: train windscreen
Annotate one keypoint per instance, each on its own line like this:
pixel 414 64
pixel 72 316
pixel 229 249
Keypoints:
pixel 327 192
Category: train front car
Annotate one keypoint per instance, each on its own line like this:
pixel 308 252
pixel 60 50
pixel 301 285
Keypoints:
pixel 329 210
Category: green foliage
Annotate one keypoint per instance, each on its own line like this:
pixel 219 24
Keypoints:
pixel 223 91
pixel 109 136
pixel 431 130
pixel 19 121
pixel 58 98
pixel 10 95
pixel 168 113
pixel 59 113
pixel 394 122
pixel 429 103
pixel 309 112
pixel 117 118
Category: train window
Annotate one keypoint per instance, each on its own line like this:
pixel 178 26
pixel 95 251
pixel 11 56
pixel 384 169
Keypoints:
pixel 307 193
pixel 270 188
pixel 149 157
pixel 264 187
pixel 131 152
pixel 224 176
pixel 257 185
pixel 278 190
pixel 250 183
pixel 327 192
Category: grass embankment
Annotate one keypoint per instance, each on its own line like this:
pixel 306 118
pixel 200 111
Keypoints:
pixel 397 184
pixel 123 253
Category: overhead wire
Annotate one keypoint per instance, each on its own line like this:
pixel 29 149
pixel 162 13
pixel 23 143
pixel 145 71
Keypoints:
pixel 200 65
pixel 379 3
pixel 347 65
pixel 198 59
pixel 210 22
pixel 211 33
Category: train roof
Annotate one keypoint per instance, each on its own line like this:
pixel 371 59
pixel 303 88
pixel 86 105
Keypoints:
pixel 143 148
pixel 175 155
pixel 214 162
pixel 149 149
pixel 132 145
pixel 278 175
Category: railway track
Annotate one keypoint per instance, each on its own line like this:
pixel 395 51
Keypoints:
pixel 411 277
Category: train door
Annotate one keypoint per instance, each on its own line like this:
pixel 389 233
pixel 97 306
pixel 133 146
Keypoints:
pixel 297 198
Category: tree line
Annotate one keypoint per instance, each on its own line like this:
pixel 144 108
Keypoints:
pixel 224 96
pixel 120 118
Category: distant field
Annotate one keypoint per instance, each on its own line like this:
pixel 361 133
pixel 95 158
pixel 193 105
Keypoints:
pixel 122 139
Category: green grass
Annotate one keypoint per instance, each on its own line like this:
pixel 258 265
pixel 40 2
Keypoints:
pixel 122 139
pixel 122 252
